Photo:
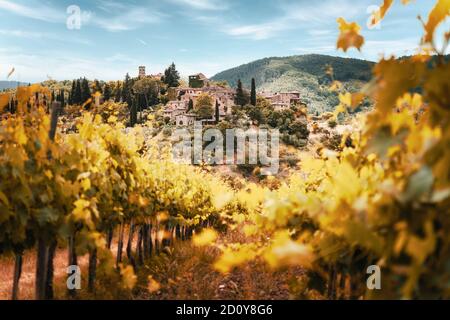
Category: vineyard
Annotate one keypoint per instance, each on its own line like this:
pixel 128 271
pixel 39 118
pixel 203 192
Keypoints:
pixel 78 180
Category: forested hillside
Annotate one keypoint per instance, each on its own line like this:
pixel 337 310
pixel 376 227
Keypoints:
pixel 306 73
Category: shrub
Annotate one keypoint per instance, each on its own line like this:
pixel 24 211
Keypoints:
pixel 332 123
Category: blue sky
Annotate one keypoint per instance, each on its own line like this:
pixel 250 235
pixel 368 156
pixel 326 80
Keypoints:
pixel 198 35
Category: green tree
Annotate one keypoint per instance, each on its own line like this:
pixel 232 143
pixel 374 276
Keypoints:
pixel 204 106
pixel 148 89
pixel 171 76
pixel 118 92
pixel 85 91
pixel 107 92
pixel 300 129
pixel 281 119
pixel 72 92
pixel 190 105
pixel 126 91
pixel 256 114
pixel 133 112
pixel 241 95
pixel 77 97
pixel 263 103
pixel 253 93
pixel 97 87
pixel 62 98
pixel 217 114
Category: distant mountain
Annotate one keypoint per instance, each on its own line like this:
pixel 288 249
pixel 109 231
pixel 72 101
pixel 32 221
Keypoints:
pixel 305 73
pixel 11 84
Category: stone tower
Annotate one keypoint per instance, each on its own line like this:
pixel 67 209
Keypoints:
pixel 141 71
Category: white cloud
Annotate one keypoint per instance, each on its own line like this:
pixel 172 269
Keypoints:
pixel 32 67
pixel 41 12
pixel 118 17
pixel 372 50
pixel 142 42
pixel 375 49
pixel 213 5
pixel 42 35
pixel 319 32
pixel 295 16
pixel 110 6
pixel 318 49
pixel 121 58
pixel 257 31
pixel 129 18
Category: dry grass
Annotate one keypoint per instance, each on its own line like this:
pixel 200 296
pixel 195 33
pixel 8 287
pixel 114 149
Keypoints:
pixel 187 274
pixel 184 272
pixel 27 280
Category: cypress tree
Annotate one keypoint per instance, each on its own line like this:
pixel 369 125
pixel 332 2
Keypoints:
pixel 217 112
pixel 118 92
pixel 77 96
pixel 126 90
pixel 62 99
pixel 133 112
pixel 241 98
pixel 253 93
pixel 85 92
pixel 190 105
pixel 97 87
pixel 72 92
pixel 107 92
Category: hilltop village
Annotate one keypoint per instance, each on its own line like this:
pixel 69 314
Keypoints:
pixel 183 100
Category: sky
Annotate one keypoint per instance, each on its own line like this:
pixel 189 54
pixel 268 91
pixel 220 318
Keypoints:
pixel 100 39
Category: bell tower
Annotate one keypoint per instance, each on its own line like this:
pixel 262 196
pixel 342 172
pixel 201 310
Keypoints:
pixel 142 72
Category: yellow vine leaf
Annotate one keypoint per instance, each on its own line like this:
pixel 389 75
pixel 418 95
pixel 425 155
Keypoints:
pixel 395 78
pixel 4 100
pixel 205 238
pixel 233 257
pixel 286 252
pixel 351 100
pixel 112 119
pixel 20 135
pixel 82 213
pixel 440 11
pixel 86 184
pixel 379 15
pixel 4 199
pixel 153 285
pixel 88 101
pixel 349 35
pixel 129 279
pixel 336 86
pixel 421 248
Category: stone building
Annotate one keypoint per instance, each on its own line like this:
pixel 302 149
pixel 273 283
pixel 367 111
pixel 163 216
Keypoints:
pixel 198 81
pixel 282 100
pixel 177 109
